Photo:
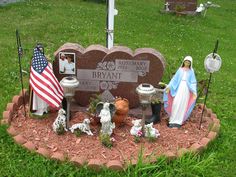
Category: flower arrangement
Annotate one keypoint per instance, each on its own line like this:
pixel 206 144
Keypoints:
pixel 157 97
pixel 138 136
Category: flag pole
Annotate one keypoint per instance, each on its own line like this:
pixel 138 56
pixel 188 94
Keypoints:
pixel 20 53
pixel 208 86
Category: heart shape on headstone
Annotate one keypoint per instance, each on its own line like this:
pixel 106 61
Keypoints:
pixel 113 73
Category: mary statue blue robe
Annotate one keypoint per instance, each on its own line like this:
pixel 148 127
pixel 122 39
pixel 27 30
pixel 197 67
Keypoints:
pixel 180 100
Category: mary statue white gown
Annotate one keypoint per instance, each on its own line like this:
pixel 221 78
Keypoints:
pixel 180 101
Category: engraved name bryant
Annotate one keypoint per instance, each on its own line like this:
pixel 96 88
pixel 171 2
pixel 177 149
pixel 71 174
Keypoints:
pixel 105 75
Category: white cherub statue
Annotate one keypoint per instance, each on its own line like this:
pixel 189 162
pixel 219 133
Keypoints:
pixel 151 132
pixel 137 127
pixel 60 121
pixel 106 111
pixel 84 127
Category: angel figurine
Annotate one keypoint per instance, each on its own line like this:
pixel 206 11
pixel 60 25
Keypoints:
pixel 106 111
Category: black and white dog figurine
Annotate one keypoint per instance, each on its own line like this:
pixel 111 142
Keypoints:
pixel 60 120
pixel 84 127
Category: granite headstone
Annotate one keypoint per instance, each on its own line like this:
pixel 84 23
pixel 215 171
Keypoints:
pixel 187 5
pixel 112 73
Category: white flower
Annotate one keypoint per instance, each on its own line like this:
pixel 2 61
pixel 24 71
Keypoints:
pixel 112 139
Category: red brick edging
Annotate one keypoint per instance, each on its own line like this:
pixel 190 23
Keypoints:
pixel 96 164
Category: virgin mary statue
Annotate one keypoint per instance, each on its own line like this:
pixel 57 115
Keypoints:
pixel 180 94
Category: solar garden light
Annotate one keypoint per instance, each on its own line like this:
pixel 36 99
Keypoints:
pixel 145 93
pixel 69 85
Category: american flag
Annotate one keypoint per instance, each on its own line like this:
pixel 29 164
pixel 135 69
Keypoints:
pixel 43 81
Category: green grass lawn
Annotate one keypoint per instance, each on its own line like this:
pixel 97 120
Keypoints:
pixel 138 24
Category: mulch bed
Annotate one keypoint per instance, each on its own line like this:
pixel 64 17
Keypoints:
pixel 39 131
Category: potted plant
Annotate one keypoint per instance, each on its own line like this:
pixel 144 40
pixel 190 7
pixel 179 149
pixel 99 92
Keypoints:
pixel 156 102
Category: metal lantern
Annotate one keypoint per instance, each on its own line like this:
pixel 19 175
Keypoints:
pixel 69 85
pixel 145 93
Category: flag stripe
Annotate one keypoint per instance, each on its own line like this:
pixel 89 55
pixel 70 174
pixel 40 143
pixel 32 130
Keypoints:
pixel 46 82
pixel 53 79
pixel 44 87
pixel 44 75
pixel 43 96
pixel 57 83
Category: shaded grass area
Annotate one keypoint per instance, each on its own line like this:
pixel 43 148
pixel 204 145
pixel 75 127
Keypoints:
pixel 138 24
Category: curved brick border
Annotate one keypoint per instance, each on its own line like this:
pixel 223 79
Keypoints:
pixel 96 164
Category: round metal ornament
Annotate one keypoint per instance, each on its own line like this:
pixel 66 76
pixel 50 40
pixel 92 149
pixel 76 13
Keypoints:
pixel 212 62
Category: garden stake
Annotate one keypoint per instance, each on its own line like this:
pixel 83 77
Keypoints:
pixel 20 53
pixel 205 100
pixel 209 81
